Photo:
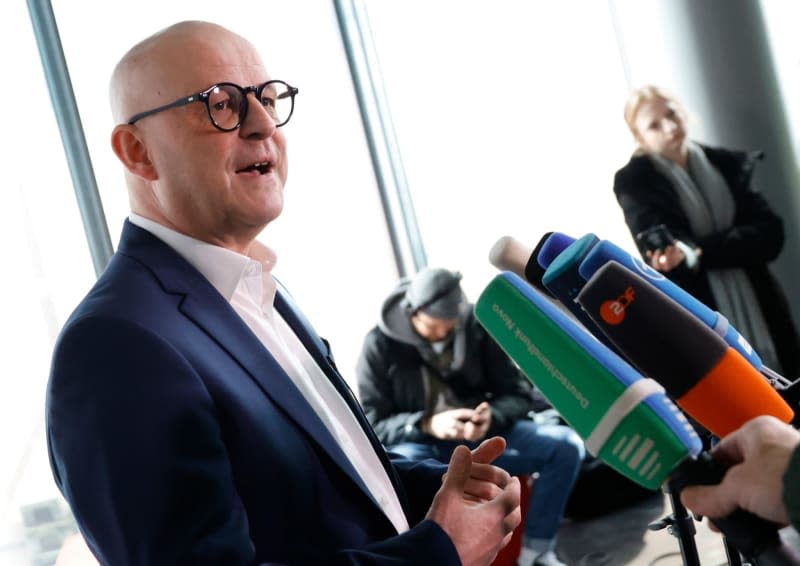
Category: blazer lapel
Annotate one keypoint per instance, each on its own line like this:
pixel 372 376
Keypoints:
pixel 321 353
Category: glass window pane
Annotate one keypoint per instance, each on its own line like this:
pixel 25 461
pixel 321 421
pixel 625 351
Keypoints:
pixel 47 270
pixel 509 119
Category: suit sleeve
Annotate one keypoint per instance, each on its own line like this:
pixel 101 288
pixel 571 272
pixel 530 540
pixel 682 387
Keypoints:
pixel 137 449
pixel 421 480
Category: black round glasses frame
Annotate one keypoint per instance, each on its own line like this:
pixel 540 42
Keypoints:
pixel 204 95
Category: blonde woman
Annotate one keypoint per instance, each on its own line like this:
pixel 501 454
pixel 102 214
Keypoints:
pixel 697 219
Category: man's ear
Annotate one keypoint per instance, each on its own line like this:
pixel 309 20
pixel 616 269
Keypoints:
pixel 130 148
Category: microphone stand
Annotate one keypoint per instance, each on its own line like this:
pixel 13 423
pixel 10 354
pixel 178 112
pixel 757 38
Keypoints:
pixel 734 558
pixel 680 525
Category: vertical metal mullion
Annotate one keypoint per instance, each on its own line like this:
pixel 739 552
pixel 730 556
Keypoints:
pixel 384 151
pixel 69 125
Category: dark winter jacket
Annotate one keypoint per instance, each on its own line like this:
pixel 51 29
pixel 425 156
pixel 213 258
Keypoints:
pixel 648 198
pixel 392 384
pixel 791 489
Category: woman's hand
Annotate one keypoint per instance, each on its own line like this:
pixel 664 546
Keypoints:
pixel 667 259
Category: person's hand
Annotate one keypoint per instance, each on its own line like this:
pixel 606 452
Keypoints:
pixel 667 259
pixel 478 504
pixel 477 427
pixel 485 480
pixel 758 454
pixel 448 425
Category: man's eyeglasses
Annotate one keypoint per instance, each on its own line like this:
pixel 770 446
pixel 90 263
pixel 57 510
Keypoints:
pixel 226 103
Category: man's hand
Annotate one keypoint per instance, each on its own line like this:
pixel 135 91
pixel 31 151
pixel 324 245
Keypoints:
pixel 478 504
pixel 448 425
pixel 758 454
pixel 477 427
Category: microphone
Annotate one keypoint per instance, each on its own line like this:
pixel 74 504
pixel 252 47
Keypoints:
pixel 509 254
pixel 606 251
pixel 624 418
pixel 705 376
pixel 561 275
pixel 551 247
pixel 562 279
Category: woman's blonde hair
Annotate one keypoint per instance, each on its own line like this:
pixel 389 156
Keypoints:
pixel 644 94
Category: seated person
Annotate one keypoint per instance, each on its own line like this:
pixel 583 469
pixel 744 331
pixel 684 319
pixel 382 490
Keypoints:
pixel 430 378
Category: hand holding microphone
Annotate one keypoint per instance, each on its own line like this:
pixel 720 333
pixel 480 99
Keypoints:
pixel 758 455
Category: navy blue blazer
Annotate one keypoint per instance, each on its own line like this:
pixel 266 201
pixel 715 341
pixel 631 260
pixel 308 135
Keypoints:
pixel 177 438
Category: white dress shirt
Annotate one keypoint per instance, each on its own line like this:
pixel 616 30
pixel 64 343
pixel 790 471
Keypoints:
pixel 247 284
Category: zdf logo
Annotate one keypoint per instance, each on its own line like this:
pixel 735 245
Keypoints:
pixel 613 311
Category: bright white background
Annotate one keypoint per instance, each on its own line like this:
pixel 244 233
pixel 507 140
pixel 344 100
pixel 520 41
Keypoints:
pixel 510 122
pixel 509 119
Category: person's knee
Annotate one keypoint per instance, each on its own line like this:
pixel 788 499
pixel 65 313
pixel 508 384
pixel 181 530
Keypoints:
pixel 571 449
pixel 576 443
pixel 556 445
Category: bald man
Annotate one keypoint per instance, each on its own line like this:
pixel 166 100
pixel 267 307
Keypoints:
pixel 193 414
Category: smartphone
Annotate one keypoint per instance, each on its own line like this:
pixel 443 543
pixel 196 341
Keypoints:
pixel 656 238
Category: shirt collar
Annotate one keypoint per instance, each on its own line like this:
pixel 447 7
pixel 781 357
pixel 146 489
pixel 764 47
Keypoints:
pixel 222 267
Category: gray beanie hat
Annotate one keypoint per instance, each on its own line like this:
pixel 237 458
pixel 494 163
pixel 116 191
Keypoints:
pixel 436 292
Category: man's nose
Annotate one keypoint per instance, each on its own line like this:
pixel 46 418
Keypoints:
pixel 257 122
